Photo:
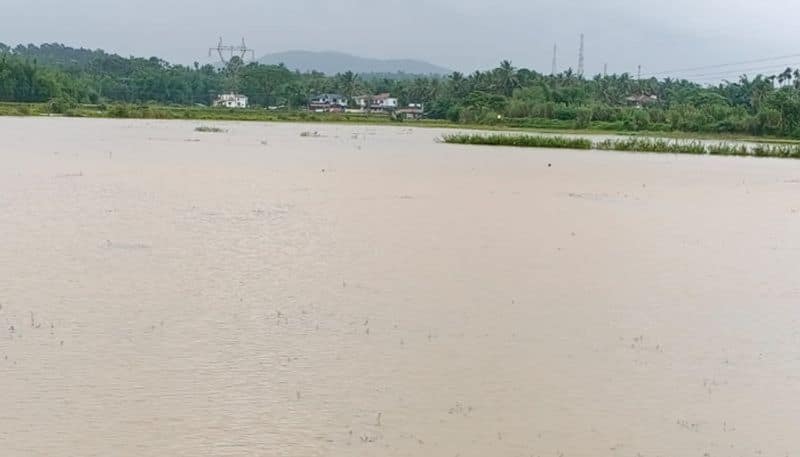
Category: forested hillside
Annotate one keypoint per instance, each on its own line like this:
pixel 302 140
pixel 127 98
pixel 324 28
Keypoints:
pixel 764 104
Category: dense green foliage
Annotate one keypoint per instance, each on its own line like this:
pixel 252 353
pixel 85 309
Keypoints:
pixel 505 96
pixel 639 144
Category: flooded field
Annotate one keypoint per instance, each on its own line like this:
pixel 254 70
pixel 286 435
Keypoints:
pixel 340 290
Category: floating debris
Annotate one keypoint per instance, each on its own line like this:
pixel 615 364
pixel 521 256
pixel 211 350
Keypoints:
pixel 115 245
pixel 209 129
pixel 70 175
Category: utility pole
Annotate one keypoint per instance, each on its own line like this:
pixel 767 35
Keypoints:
pixel 580 59
pixel 555 60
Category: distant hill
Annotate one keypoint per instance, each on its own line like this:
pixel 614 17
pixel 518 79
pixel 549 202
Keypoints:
pixel 337 62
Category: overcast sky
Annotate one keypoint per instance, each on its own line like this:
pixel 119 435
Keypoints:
pixel 460 34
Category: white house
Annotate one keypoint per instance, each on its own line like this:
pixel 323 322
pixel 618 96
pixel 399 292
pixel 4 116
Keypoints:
pixel 414 111
pixel 380 102
pixel 231 100
pixel 641 100
pixel 328 103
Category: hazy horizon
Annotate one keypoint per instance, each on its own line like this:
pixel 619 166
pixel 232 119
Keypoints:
pixel 460 35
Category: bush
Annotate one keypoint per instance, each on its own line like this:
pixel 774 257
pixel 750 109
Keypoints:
pixel 769 120
pixel 583 118
pixel 638 120
pixel 548 110
pixel 725 126
pixel 453 114
pixel 491 118
pixel 61 105
pixel 657 115
pixel 519 108
pixel 119 110
pixel 565 113
pixel 606 113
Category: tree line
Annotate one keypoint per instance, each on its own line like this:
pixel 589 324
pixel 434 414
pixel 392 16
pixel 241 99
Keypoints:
pixel 506 95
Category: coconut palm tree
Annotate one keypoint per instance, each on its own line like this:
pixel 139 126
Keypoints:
pixel 506 77
pixel 348 82
pixel 785 76
pixel 457 84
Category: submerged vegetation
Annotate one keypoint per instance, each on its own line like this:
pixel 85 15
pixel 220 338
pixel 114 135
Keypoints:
pixel 209 129
pixel 79 82
pixel 653 145
pixel 528 141
pixel 628 144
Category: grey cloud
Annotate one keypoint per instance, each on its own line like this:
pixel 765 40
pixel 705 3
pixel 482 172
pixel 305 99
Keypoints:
pixel 460 34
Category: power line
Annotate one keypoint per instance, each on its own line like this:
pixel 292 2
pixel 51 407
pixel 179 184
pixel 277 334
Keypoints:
pixel 723 65
pixel 742 71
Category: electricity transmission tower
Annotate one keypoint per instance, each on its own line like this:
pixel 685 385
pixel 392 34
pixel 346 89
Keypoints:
pixel 232 58
pixel 234 51
pixel 580 58
pixel 555 60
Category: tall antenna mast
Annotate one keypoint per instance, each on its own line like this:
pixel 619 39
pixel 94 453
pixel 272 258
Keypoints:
pixel 580 58
pixel 639 78
pixel 555 60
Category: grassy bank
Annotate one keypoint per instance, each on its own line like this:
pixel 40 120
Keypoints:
pixel 637 144
pixel 200 113
pixel 203 113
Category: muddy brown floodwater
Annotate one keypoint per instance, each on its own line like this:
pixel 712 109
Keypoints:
pixel 367 291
